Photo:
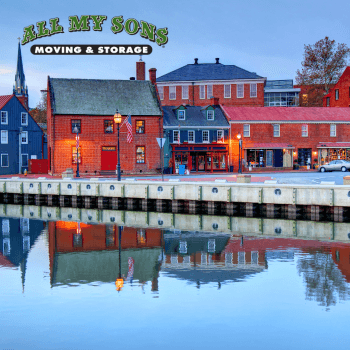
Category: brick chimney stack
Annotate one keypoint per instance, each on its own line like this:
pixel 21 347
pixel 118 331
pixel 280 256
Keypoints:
pixel 153 75
pixel 140 70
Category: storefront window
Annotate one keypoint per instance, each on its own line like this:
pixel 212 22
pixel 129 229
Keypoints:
pixel 140 154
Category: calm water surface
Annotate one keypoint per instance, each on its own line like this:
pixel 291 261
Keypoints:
pixel 175 290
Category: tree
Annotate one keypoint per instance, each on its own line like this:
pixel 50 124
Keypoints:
pixel 322 66
pixel 39 112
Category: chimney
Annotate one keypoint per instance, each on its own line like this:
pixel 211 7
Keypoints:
pixel 196 61
pixel 132 78
pixel 217 60
pixel 153 75
pixel 215 101
pixel 140 70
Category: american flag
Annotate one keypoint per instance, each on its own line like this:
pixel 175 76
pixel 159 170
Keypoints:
pixel 130 275
pixel 129 127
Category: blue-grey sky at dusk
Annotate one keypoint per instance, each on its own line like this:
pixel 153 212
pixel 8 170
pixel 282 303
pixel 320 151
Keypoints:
pixel 266 37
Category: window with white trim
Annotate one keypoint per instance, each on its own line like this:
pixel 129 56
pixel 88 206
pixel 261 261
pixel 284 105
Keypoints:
pixel 205 136
pixel 202 91
pixel 161 92
pixel 240 90
pixel 172 92
pixel 227 91
pixel 4 137
pixel 209 91
pixel 24 225
pixel 24 119
pixel 220 135
pixel 276 130
pixel 4 160
pixel 333 130
pixel 304 130
pixel 5 226
pixel 337 94
pixel 246 130
pixel 191 136
pixel 176 136
pixel 4 118
pixel 210 114
pixel 185 92
pixel 181 114
pixel 253 90
pixel 24 137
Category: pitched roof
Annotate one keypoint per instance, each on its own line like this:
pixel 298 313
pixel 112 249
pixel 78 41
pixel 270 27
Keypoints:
pixel 4 100
pixel 195 117
pixel 287 114
pixel 345 75
pixel 208 71
pixel 103 97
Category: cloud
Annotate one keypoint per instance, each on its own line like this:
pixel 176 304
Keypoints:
pixel 6 70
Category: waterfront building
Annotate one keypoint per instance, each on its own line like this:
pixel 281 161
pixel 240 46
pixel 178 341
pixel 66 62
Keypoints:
pixel 281 93
pixel 88 106
pixel 195 85
pixel 196 137
pixel 280 138
pixel 339 95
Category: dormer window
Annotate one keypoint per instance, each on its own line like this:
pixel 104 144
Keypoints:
pixel 181 114
pixel 210 114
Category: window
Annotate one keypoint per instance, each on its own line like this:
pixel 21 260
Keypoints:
pixel 24 160
pixel 253 90
pixel 4 160
pixel 209 91
pixel 227 91
pixel 221 135
pixel 161 92
pixel 140 154
pixel 140 126
pixel 181 114
pixel 4 118
pixel 305 99
pixel 76 123
pixel 108 126
pixel 24 119
pixel 172 92
pixel 336 94
pixel 240 90
pixel 304 131
pixel 24 225
pixel 24 137
pixel 202 91
pixel 5 226
pixel 205 135
pixel 328 101
pixel 246 130
pixel 191 137
pixel 276 130
pixel 333 131
pixel 74 155
pixel 185 92
pixel 176 136
pixel 210 114
pixel 4 136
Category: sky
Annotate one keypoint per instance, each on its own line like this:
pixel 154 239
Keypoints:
pixel 266 37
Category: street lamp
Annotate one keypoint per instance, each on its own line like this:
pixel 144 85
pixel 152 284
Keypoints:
pixel 118 120
pixel 239 137
pixel 76 130
pixel 119 281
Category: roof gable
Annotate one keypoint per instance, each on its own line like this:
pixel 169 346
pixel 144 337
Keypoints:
pixel 103 97
pixel 208 71
pixel 4 100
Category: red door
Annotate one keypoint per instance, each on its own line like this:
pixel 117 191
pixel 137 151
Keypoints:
pixel 109 158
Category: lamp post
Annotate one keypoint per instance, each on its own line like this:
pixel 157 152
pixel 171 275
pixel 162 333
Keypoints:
pixel 120 281
pixel 239 137
pixel 118 120
pixel 76 130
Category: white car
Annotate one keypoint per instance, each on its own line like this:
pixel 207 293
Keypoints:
pixel 341 165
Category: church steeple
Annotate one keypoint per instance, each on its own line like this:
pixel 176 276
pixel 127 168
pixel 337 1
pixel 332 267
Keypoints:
pixel 20 89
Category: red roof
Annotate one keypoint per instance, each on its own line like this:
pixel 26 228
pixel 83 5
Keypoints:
pixel 5 262
pixel 4 100
pixel 287 114
pixel 334 145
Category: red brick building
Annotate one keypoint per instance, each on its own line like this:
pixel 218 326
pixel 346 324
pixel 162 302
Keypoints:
pixel 279 137
pixel 89 105
pixel 339 95
pixel 196 84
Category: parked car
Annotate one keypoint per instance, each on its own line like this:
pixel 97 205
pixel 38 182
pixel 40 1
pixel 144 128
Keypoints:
pixel 343 165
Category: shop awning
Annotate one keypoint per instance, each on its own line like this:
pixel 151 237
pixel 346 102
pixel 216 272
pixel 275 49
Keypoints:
pixel 270 145
pixel 334 145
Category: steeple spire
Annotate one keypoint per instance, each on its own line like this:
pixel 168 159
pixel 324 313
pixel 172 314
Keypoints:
pixel 20 89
